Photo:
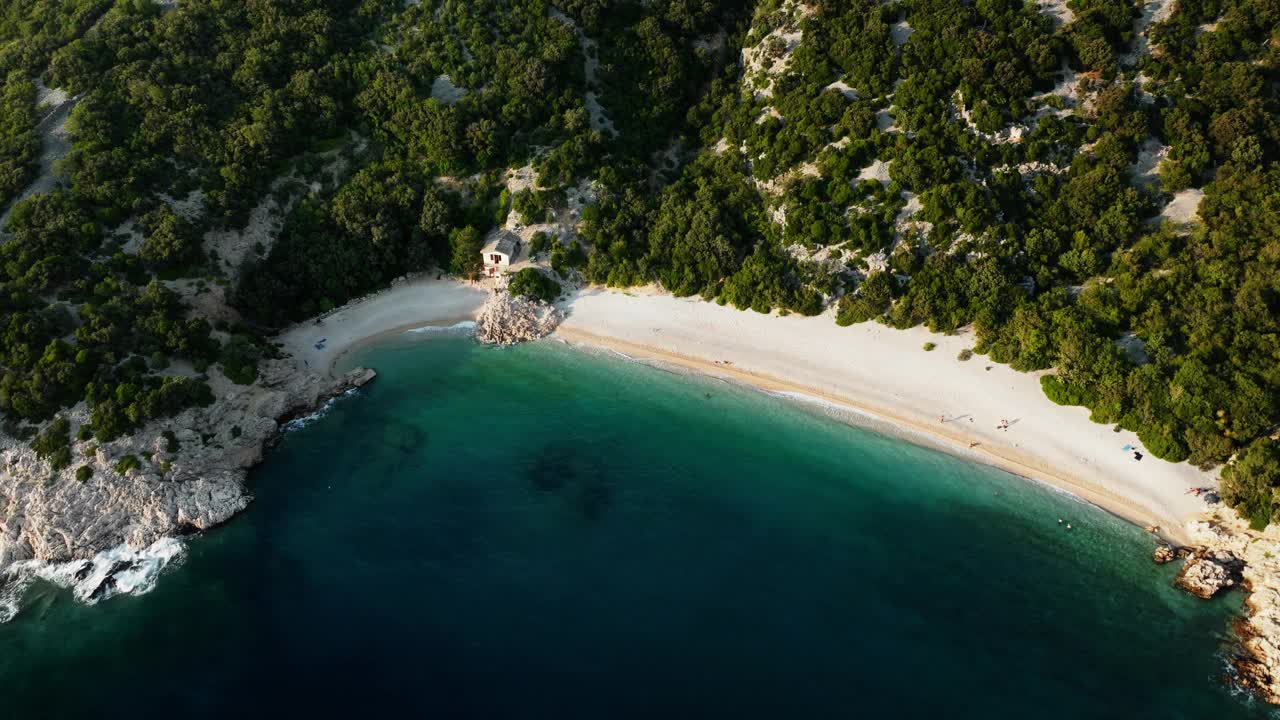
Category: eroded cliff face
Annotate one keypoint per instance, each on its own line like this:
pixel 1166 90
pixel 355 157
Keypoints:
pixel 53 517
pixel 1229 545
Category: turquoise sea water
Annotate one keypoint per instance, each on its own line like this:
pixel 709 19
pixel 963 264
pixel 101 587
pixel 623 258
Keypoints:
pixel 540 532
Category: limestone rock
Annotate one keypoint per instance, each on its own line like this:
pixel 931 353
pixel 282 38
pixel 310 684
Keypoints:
pixel 1164 554
pixel 1207 573
pixel 507 320
pixel 1257 664
pixel 51 516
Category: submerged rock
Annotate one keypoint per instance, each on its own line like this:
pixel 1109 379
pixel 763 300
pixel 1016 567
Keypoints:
pixel 552 469
pixel 404 437
pixel 507 320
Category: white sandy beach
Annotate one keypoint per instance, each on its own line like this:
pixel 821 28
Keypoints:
pixel 869 368
pixel 402 307
pixel 885 372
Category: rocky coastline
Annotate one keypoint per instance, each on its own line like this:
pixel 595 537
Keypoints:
pixel 508 320
pixel 1226 554
pixel 189 475
pixel 192 470
pixel 188 471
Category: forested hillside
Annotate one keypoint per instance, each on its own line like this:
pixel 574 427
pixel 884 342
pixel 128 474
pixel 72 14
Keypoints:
pixel 1092 186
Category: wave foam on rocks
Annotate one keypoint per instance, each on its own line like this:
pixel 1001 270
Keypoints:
pixel 118 571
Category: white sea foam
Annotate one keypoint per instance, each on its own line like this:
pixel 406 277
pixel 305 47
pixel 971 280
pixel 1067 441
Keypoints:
pixel 300 422
pixel 466 326
pixel 120 570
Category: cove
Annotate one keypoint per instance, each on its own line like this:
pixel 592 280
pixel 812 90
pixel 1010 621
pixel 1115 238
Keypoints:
pixel 544 532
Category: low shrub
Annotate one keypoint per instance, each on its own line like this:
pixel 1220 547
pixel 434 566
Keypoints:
pixel 531 282
pixel 127 463
pixel 54 443
pixel 1064 393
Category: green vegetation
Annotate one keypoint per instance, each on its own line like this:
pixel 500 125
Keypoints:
pixel 532 282
pixel 54 443
pixel 1251 482
pixel 531 206
pixel 19 144
pixel 127 463
pixel 929 347
pixel 30 32
pixel 540 244
pixel 860 168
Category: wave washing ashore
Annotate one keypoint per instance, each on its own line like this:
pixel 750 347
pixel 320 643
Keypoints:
pixel 544 532
pixel 971 407
pixel 319 345
pixel 959 404
pixel 871 368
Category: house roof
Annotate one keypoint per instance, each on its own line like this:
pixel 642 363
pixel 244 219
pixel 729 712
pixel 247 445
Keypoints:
pixel 505 243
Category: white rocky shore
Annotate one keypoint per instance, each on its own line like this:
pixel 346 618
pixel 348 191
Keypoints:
pixel 507 320
pixel 51 517
pixel 113 532
pixel 1228 554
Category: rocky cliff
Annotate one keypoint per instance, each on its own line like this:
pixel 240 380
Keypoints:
pixel 191 484
pixel 1230 553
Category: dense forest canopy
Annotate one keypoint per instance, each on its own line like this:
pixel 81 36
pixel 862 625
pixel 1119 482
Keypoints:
pixel 1093 186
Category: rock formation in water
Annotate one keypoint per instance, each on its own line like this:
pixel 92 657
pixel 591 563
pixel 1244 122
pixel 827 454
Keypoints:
pixel 507 320
pixel 1255 557
pixel 1208 572
pixel 192 482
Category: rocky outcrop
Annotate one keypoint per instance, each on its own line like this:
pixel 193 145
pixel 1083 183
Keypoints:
pixel 1209 572
pixel 507 320
pixel 193 484
pixel 1164 554
pixel 1258 554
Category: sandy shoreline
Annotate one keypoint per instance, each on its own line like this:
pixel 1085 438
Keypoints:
pixel 403 307
pixel 868 369
pixel 886 420
pixel 887 374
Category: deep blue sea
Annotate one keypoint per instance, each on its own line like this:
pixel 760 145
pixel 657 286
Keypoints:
pixel 539 532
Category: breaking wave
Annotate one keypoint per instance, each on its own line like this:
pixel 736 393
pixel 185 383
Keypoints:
pixel 300 422
pixel 118 571
pixel 466 326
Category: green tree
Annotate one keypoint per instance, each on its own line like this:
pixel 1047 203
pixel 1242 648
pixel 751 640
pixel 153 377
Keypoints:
pixel 464 255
